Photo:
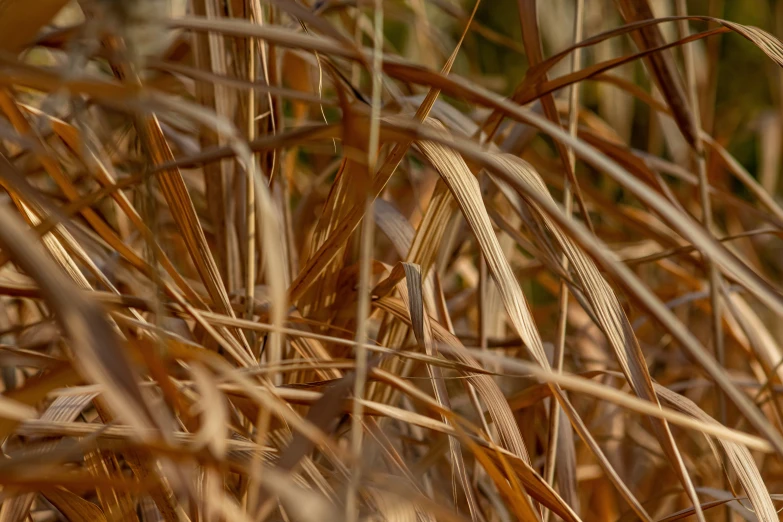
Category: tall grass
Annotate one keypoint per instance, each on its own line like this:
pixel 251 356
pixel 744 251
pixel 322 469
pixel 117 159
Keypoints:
pixel 404 260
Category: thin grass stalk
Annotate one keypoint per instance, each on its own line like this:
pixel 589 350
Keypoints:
pixel 713 272
pixel 363 305
pixel 250 197
pixel 562 321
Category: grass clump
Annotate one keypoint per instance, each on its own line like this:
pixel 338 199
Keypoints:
pixel 390 260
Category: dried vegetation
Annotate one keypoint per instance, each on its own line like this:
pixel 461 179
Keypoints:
pixel 304 261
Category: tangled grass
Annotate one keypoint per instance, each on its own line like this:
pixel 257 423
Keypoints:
pixel 402 260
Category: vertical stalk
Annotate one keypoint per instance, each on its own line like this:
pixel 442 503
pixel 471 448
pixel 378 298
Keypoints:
pixel 562 322
pixel 250 194
pixel 365 261
pixel 713 273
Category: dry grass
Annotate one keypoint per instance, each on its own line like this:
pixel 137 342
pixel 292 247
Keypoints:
pixel 407 261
